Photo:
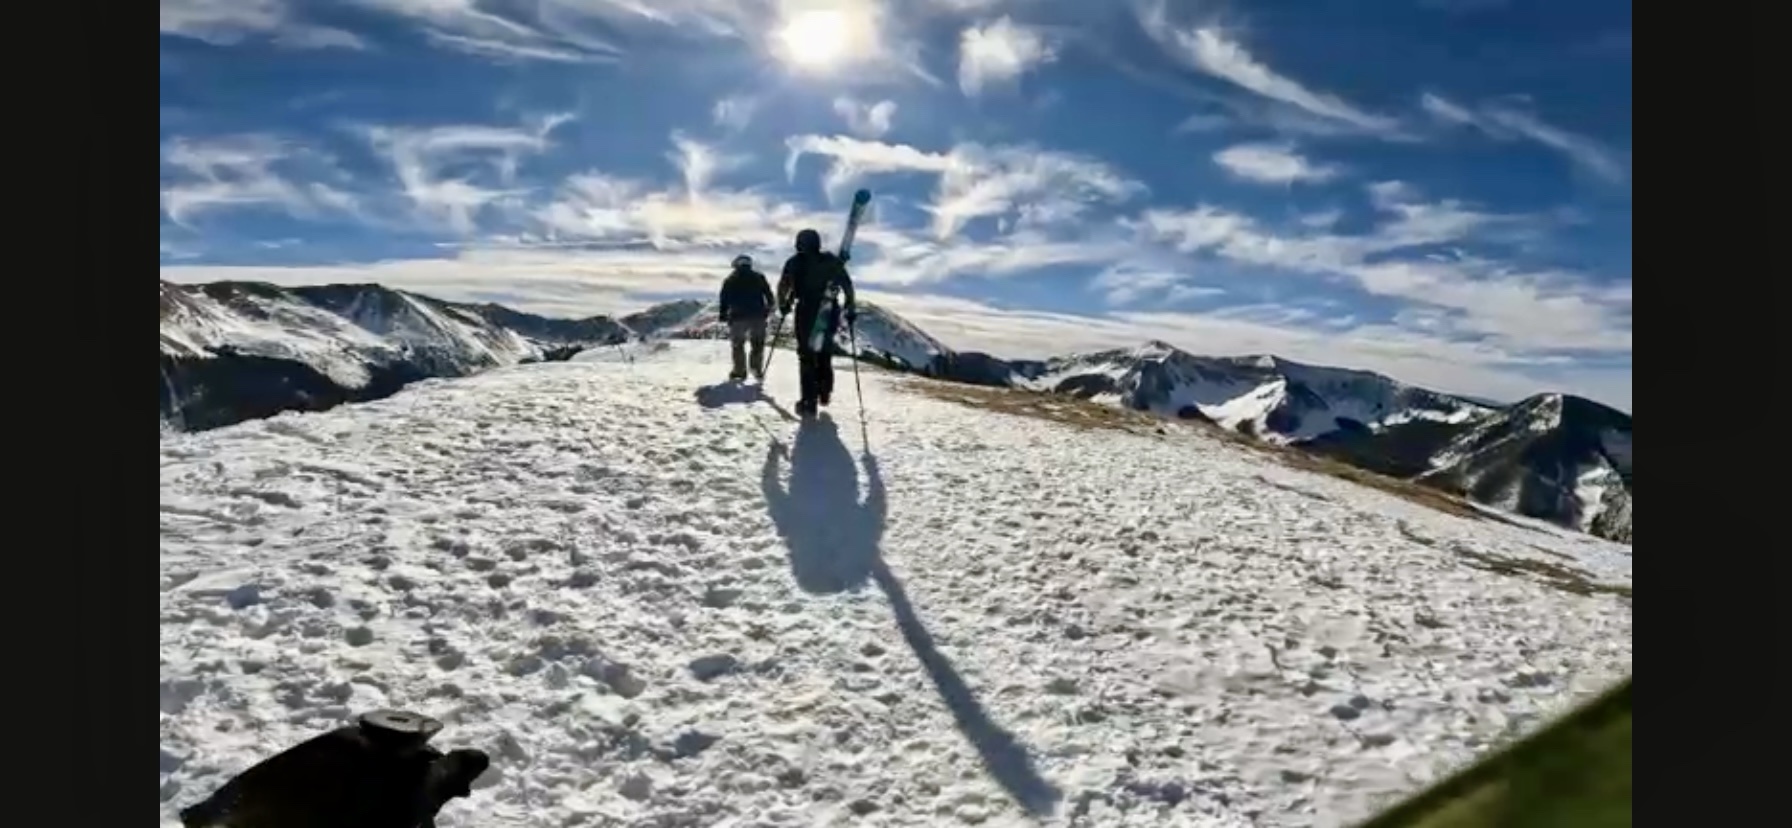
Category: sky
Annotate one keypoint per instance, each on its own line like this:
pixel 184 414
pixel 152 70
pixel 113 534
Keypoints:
pixel 1439 190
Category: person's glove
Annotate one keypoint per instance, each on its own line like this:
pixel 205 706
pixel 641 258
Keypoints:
pixel 784 309
pixel 852 315
pixel 375 773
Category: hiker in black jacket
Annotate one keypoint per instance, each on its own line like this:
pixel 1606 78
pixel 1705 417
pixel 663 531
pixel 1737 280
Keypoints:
pixel 810 281
pixel 746 302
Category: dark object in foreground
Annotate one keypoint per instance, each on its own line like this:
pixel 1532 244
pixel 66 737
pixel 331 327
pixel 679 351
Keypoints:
pixel 378 773
pixel 1575 773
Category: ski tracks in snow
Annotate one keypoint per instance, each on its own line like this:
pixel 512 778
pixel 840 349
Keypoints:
pixel 657 601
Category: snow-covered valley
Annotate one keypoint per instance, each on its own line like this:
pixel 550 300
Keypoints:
pixel 656 600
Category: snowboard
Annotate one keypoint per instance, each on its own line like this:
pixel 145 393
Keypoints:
pixel 819 332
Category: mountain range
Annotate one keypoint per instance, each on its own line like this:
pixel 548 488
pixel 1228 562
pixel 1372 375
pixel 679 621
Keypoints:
pixel 232 351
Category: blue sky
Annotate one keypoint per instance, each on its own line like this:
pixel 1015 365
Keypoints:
pixel 1436 189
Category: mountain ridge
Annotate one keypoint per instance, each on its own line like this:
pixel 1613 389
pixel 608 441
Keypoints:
pixel 241 350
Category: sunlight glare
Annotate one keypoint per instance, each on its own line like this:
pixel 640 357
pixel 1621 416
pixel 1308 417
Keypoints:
pixel 815 39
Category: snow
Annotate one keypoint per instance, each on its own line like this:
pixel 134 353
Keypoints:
pixel 1232 391
pixel 658 601
pixel 341 343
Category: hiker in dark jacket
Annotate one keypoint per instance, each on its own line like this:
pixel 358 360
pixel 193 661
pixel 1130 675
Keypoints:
pixel 811 280
pixel 746 302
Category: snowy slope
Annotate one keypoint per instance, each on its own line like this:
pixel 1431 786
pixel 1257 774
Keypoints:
pixel 670 319
pixel 235 350
pixel 658 602
pixel 1554 456
pixel 1276 399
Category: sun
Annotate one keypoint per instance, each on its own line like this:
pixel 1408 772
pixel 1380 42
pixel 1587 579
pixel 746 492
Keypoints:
pixel 815 40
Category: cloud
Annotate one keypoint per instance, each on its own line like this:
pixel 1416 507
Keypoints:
pixel 905 259
pixel 602 209
pixel 228 22
pixel 238 171
pixel 1210 51
pixel 853 159
pixel 1272 164
pixel 1128 283
pixel 423 157
pixel 558 31
pixel 734 112
pixel 1475 299
pixel 1035 187
pixel 999 53
pixel 1506 124
pixel 869 121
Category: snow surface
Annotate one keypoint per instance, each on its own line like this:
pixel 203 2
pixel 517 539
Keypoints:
pixel 658 601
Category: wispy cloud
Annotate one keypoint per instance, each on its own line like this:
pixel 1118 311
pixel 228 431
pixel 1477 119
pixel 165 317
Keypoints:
pixel 1129 283
pixel 233 172
pixel 1032 186
pixel 853 159
pixel 904 258
pixel 866 120
pixel 227 22
pixel 1272 164
pixel 1209 50
pixel 1523 309
pixel 734 112
pixel 1505 123
pixel 550 30
pixel 478 156
pixel 999 53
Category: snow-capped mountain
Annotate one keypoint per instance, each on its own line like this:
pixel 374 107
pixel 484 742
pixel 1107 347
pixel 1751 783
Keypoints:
pixel 236 350
pixel 1276 399
pixel 1556 457
pixel 655 608
pixel 678 319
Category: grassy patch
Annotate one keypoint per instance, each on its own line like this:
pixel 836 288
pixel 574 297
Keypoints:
pixel 1575 773
pixel 1057 408
pixel 1567 579
pixel 1084 414
pixel 1560 577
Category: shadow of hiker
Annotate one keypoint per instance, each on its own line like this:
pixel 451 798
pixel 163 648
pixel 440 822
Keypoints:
pixel 728 393
pixel 833 541
pixel 832 537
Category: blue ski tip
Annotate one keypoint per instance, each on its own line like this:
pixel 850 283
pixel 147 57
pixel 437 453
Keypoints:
pixel 861 197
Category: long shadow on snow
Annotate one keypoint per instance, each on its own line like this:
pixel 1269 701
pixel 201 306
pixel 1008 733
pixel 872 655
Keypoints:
pixel 833 541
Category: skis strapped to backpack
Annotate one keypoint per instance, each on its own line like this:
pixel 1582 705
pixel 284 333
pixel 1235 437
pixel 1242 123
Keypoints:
pixel 818 334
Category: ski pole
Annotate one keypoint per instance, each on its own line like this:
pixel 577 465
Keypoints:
pixel 770 349
pixel 852 335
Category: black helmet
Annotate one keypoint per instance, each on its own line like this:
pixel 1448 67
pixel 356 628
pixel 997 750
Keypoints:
pixel 808 241
pixel 743 261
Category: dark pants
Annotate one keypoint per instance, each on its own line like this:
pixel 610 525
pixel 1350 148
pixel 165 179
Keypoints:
pixel 740 333
pixel 815 369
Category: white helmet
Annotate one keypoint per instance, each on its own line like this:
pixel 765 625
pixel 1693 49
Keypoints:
pixel 743 261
